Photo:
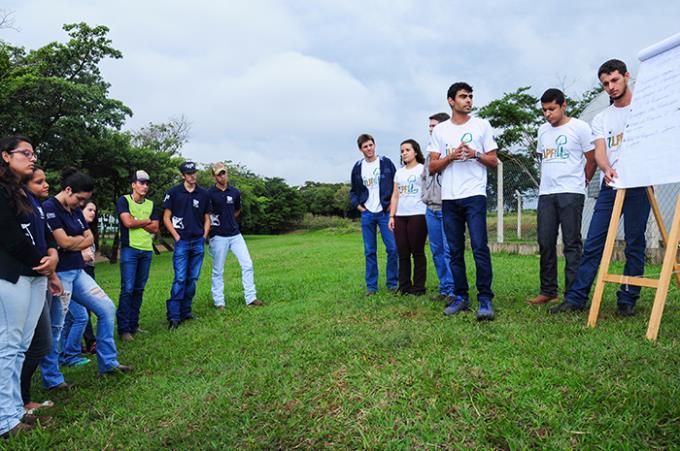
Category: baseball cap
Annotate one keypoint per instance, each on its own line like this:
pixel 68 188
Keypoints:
pixel 218 167
pixel 188 167
pixel 140 176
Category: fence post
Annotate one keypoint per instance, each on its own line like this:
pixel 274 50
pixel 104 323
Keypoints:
pixel 519 214
pixel 500 202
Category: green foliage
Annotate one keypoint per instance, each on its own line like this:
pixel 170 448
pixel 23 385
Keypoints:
pixel 326 198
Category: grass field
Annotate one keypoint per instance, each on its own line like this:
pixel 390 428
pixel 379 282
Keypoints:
pixel 324 366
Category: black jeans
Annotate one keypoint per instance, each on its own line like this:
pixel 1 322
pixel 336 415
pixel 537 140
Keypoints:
pixel 40 346
pixel 410 233
pixel 565 209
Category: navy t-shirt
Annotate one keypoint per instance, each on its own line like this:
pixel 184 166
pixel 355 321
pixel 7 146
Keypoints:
pixel 33 226
pixel 224 204
pixel 188 210
pixel 74 224
pixel 122 206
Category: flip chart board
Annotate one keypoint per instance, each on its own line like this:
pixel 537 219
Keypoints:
pixel 650 152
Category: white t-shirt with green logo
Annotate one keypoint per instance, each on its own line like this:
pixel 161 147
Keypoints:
pixel 370 174
pixel 408 187
pixel 461 179
pixel 610 125
pixel 563 161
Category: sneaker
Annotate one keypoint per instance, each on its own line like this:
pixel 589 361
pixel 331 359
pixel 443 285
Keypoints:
pixel 139 330
pixel 459 304
pixel 62 387
pixel 485 312
pixel 81 361
pixel 189 317
pixel 256 303
pixel 126 337
pixel 566 307
pixel 119 369
pixel 219 308
pixel 625 310
pixel 173 324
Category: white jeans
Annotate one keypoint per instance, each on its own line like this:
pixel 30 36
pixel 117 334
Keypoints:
pixel 21 304
pixel 219 248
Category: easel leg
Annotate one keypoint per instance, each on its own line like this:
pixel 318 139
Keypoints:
pixel 659 220
pixel 606 257
pixel 669 261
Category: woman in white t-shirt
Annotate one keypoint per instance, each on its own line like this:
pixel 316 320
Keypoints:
pixel 407 220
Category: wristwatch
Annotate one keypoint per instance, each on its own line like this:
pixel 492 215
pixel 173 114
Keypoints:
pixel 478 154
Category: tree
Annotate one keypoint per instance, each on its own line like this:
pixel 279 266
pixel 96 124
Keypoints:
pixel 168 137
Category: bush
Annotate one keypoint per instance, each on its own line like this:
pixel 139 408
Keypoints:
pixel 333 223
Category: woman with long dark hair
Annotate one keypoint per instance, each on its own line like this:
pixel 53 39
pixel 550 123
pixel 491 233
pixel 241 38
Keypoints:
pixel 81 291
pixel 407 219
pixel 28 257
pixel 42 338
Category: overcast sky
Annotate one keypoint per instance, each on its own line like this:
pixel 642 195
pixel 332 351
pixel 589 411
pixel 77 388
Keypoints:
pixel 286 87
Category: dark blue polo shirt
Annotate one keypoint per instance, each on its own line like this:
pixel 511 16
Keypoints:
pixel 188 210
pixel 224 204
pixel 33 226
pixel 74 224
pixel 122 206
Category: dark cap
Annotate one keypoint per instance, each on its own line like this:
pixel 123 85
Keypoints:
pixel 140 176
pixel 188 167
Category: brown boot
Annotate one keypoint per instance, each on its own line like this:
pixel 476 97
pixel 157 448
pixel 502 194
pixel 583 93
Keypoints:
pixel 18 429
pixel 542 299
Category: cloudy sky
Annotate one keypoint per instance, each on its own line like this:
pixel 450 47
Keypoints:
pixel 286 87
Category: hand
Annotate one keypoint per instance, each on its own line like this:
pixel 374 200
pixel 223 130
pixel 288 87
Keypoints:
pixel 609 175
pixel 176 237
pixel 468 152
pixel 54 285
pixel 390 223
pixel 87 254
pixel 361 209
pixel 47 265
pixel 457 153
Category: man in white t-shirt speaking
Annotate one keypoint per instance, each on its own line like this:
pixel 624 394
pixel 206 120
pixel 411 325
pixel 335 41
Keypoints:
pixel 461 149
pixel 567 165
pixel 371 193
pixel 608 128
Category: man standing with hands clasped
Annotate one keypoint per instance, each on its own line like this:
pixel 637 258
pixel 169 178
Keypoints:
pixel 461 149
pixel 567 165
pixel 225 236
pixel 186 215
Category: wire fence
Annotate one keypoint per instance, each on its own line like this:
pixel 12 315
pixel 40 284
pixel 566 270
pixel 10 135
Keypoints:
pixel 515 208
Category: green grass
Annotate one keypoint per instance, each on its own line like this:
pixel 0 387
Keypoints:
pixel 324 366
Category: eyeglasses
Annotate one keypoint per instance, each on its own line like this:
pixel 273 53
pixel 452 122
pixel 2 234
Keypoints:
pixel 221 173
pixel 27 153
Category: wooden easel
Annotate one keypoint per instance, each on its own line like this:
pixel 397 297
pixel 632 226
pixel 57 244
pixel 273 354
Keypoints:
pixel 670 263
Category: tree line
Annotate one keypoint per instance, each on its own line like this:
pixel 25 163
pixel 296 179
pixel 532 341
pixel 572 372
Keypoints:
pixel 56 96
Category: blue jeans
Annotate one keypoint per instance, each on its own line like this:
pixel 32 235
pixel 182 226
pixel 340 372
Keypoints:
pixel 187 261
pixel 134 272
pixel 219 248
pixel 441 256
pixel 635 214
pixel 369 222
pixel 456 213
pixel 85 295
pixel 21 304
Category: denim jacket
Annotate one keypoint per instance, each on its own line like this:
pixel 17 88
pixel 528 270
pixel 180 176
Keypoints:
pixel 358 194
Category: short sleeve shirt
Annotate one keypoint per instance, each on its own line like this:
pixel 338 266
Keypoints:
pixel 73 223
pixel 187 210
pixel 609 125
pixel 33 226
pixel 123 206
pixel 462 179
pixel 563 162
pixel 409 188
pixel 370 175
pixel 224 205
